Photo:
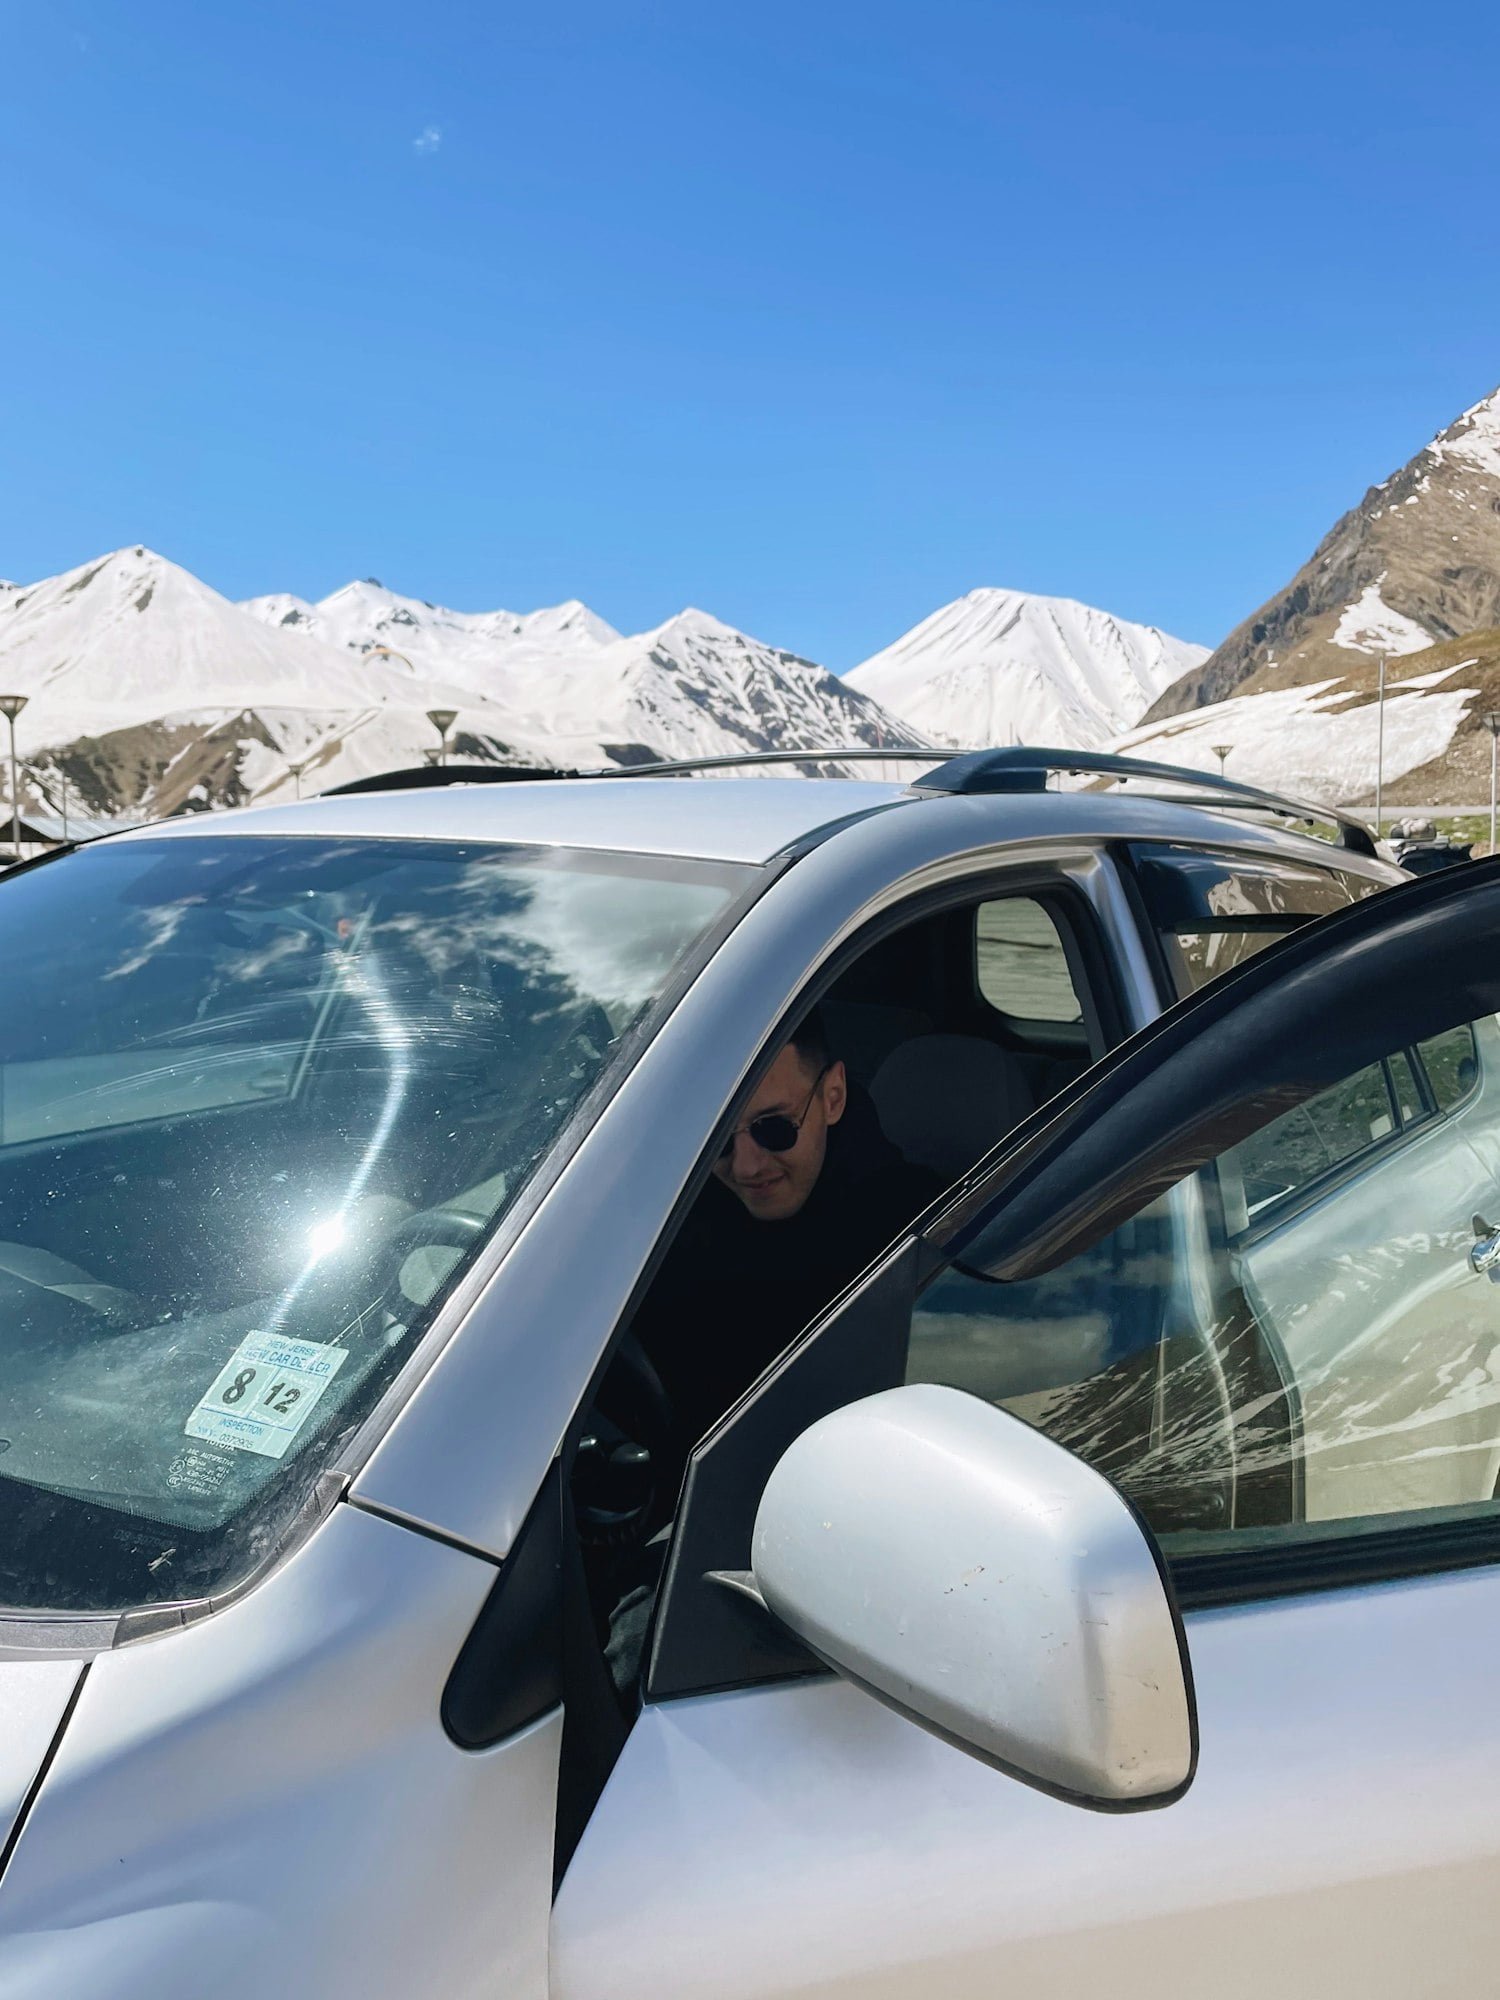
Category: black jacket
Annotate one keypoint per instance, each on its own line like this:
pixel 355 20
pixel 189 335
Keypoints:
pixel 734 1291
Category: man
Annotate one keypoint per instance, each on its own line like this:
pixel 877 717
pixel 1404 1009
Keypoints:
pixel 806 1191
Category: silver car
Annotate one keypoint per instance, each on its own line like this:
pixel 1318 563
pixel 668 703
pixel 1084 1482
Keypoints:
pixel 1153 1465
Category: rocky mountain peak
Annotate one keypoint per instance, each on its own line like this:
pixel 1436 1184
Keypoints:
pixel 1414 565
pixel 1474 440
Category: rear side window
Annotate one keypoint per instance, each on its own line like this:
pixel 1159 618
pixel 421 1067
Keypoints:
pixel 1212 912
pixel 1020 963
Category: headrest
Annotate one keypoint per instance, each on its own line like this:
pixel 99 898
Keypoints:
pixel 944 1100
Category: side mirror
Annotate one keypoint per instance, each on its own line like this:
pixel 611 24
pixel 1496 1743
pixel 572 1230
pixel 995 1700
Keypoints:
pixel 975 1576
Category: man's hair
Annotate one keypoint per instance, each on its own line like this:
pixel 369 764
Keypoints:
pixel 810 1039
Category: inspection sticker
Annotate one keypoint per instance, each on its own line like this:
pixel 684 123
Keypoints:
pixel 265 1393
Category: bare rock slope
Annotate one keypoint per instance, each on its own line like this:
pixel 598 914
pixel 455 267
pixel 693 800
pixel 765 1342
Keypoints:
pixel 1415 565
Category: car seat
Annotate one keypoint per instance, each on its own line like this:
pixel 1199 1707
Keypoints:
pixel 944 1100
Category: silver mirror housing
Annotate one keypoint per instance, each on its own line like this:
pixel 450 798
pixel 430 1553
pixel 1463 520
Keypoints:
pixel 974 1575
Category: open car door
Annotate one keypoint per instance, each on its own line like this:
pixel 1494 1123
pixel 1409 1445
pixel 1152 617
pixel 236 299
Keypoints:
pixel 1248 1268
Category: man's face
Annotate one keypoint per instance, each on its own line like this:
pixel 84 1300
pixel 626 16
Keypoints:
pixel 773 1186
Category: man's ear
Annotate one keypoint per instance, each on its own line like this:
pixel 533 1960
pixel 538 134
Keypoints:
pixel 835 1093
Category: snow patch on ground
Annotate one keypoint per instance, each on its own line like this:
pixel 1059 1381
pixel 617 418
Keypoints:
pixel 1369 625
pixel 1310 740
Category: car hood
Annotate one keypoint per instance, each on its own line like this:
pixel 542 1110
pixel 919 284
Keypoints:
pixel 35 1698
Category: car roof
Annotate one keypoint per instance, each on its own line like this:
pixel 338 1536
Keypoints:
pixel 725 819
pixel 736 819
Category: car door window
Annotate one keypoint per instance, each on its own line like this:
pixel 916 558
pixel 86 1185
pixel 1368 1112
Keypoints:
pixel 930 1080
pixel 1294 1338
pixel 1021 962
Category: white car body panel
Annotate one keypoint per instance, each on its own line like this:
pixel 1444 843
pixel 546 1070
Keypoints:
pixel 746 819
pixel 801 1840
pixel 34 1697
pixel 266 1802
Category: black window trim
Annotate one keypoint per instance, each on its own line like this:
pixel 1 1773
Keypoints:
pixel 1338 1555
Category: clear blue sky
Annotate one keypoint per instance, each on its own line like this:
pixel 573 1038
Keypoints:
pixel 813 314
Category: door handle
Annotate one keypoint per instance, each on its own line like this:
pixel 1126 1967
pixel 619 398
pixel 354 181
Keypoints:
pixel 1484 1255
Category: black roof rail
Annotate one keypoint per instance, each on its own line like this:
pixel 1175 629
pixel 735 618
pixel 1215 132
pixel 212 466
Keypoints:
pixel 1019 768
pixel 1024 769
pixel 855 753
pixel 418 777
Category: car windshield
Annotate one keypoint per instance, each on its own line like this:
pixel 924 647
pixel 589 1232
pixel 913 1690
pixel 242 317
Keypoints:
pixel 259 1100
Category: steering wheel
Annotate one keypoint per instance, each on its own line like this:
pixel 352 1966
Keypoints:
pixel 429 1229
pixel 632 1397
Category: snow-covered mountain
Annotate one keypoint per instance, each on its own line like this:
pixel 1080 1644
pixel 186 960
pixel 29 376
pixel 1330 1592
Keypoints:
pixel 575 691
pixel 490 652
pixel 1000 666
pixel 705 689
pixel 148 691
pixel 1319 740
pixel 117 636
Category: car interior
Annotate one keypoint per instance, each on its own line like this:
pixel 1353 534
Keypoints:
pixel 956 1026
pixel 961 1023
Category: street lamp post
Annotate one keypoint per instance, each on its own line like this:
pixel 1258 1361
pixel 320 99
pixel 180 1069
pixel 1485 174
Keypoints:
pixel 1492 724
pixel 1221 751
pixel 442 720
pixel 10 707
pixel 297 769
pixel 1380 745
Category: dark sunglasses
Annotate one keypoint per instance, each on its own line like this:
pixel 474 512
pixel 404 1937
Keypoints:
pixel 777 1131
